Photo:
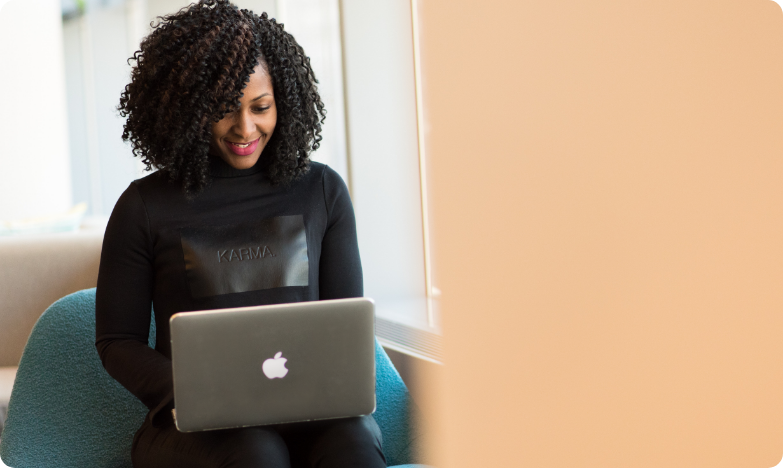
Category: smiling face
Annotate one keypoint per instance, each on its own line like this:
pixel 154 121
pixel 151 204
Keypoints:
pixel 240 136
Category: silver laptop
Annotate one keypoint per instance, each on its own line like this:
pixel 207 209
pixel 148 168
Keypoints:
pixel 253 366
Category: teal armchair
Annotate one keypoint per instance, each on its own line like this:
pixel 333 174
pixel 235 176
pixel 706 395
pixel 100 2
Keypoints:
pixel 67 412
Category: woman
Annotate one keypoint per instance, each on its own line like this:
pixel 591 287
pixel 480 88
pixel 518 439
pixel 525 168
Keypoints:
pixel 223 103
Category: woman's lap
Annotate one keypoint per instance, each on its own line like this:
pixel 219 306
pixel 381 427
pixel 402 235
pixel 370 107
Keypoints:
pixel 344 443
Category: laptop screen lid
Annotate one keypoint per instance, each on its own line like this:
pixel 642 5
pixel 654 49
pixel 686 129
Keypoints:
pixel 273 364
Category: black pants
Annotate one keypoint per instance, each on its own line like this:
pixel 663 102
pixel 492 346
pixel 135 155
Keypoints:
pixel 343 443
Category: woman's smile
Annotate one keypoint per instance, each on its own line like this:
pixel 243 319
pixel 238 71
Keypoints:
pixel 242 149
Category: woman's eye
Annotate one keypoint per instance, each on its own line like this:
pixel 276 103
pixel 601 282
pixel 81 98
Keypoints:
pixel 261 109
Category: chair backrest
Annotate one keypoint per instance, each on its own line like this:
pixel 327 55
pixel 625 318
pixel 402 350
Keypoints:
pixel 66 411
pixel 65 263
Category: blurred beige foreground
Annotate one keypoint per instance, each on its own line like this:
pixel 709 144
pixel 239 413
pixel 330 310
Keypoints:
pixel 607 194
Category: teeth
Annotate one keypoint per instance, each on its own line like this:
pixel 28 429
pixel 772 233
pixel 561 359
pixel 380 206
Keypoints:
pixel 241 146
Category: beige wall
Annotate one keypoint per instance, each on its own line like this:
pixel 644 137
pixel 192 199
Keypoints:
pixel 607 194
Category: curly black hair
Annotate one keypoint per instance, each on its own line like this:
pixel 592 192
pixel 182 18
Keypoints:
pixel 190 72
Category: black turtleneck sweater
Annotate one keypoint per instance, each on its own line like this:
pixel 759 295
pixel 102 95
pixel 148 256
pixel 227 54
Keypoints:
pixel 240 242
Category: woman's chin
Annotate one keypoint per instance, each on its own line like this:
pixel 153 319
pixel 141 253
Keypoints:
pixel 241 162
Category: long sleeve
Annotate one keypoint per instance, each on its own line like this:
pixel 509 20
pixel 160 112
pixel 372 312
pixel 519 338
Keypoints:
pixel 143 257
pixel 340 268
pixel 123 305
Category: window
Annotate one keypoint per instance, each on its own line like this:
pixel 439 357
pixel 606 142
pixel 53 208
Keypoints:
pixel 386 179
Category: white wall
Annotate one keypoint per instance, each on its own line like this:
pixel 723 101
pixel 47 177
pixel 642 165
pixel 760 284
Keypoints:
pixel 34 159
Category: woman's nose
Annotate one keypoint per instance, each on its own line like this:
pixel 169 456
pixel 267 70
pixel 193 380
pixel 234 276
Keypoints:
pixel 244 125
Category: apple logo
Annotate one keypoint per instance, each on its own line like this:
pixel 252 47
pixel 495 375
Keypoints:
pixel 274 368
